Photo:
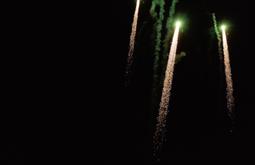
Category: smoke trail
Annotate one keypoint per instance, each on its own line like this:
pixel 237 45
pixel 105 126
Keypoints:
pixel 157 11
pixel 171 15
pixel 132 40
pixel 163 110
pixel 221 63
pixel 169 24
pixel 159 16
pixel 218 36
pixel 167 39
pixel 229 96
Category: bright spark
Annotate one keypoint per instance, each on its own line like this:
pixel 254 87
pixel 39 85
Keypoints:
pixel 229 96
pixel 163 110
pixel 178 24
pixel 132 38
pixel 223 27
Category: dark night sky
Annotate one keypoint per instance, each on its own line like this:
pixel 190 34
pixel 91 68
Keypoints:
pixel 198 126
pixel 66 99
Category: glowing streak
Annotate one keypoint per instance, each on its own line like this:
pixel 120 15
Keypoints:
pixel 178 24
pixel 229 96
pixel 132 38
pixel 163 110
pixel 223 27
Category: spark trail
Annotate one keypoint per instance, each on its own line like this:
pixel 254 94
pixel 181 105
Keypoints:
pixel 167 39
pixel 169 25
pixel 229 95
pixel 163 110
pixel 132 40
pixel 171 15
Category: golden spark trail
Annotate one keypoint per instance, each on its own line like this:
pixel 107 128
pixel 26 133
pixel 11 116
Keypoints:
pixel 132 38
pixel 163 110
pixel 229 96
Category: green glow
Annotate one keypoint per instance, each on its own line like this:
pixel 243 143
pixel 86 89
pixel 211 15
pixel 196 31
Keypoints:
pixel 223 27
pixel 178 23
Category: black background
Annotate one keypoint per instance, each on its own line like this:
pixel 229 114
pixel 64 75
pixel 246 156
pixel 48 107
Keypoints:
pixel 63 94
